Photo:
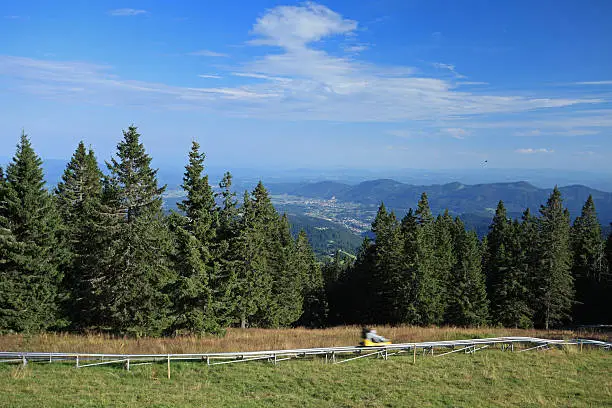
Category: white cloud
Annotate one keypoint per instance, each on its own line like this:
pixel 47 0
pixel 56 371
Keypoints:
pixel 125 12
pixel 297 26
pixel 207 53
pixel 593 83
pixel 534 151
pixel 457 133
pixel 209 76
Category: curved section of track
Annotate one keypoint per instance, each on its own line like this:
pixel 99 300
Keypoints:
pixel 331 354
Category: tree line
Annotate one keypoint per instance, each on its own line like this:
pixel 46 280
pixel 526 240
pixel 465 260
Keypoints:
pixel 539 271
pixel 98 253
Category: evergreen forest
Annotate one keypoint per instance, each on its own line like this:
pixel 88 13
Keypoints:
pixel 97 253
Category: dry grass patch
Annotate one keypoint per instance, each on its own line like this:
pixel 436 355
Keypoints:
pixel 254 339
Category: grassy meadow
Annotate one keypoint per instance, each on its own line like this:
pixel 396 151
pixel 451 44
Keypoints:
pixel 554 377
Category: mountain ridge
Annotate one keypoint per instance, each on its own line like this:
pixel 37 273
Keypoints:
pixel 457 197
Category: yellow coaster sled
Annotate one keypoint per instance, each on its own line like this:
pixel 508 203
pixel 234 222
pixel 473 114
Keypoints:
pixel 370 343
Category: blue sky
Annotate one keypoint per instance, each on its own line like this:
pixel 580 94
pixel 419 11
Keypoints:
pixel 368 84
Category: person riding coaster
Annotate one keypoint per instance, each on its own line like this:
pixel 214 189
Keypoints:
pixel 370 338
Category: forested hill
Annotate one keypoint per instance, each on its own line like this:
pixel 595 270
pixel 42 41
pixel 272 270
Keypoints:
pixel 477 199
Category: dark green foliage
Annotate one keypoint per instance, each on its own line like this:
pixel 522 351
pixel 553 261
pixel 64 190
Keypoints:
pixel 406 289
pixel 445 255
pixel 127 268
pixel 335 280
pixel 508 268
pixel 268 286
pixel 429 295
pixel 134 245
pixel 387 270
pixel 193 296
pixel 466 291
pixel 553 280
pixel 287 297
pixel 589 266
pixel 78 198
pixel 30 247
pixel 315 306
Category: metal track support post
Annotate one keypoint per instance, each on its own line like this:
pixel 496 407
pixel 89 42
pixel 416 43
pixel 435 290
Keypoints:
pixel 414 354
pixel 168 366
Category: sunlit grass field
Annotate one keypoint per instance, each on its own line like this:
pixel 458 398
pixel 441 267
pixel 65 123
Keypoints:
pixel 556 377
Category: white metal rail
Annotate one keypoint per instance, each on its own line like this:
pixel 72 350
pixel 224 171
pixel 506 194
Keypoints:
pixel 335 355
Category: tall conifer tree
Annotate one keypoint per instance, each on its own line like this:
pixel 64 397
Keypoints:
pixel 78 196
pixel 315 307
pixel 30 245
pixel 133 263
pixel 467 296
pixel 589 264
pixel 387 268
pixel 554 289
pixel 429 296
pixel 193 292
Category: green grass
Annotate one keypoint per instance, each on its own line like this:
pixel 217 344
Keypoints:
pixel 489 378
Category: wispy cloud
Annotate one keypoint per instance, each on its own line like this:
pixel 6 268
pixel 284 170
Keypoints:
pixel 207 53
pixel 450 68
pixel 404 133
pixel 357 48
pixel 593 83
pixel 209 76
pixel 534 151
pixel 13 17
pixel 298 80
pixel 472 83
pixel 457 133
pixel 126 12
pixel 570 132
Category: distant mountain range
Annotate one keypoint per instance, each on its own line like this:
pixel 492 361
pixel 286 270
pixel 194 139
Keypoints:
pixel 478 200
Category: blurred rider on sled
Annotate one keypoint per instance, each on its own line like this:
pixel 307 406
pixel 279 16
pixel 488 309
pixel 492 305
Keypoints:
pixel 370 336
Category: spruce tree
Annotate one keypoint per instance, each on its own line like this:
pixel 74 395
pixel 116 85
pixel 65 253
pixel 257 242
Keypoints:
pixel 512 289
pixel 78 197
pixel 226 236
pixel 387 271
pixel 445 258
pixel 30 245
pixel 498 262
pixel 589 264
pixel 428 292
pixel 315 306
pixel 134 244
pixel 355 289
pixel 554 289
pixel 195 230
pixel 406 291
pixel 253 289
pixel 287 295
pixel 335 273
pixel 467 296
